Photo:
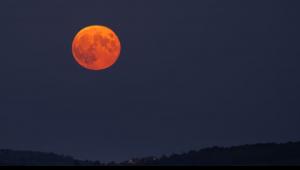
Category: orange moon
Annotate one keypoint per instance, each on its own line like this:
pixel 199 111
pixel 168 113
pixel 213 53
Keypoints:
pixel 96 47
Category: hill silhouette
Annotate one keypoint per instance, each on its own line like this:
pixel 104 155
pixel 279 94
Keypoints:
pixel 258 154
pixel 30 158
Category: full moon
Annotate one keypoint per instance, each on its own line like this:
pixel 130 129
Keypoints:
pixel 96 47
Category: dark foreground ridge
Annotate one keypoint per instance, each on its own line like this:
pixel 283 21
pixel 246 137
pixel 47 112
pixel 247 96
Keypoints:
pixel 30 158
pixel 258 154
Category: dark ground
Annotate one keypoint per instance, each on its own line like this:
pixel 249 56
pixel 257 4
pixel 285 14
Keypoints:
pixel 258 154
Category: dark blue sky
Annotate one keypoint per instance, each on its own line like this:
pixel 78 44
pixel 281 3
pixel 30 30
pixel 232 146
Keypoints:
pixel 192 74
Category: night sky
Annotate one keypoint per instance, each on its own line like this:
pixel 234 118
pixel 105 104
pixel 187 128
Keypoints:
pixel 192 74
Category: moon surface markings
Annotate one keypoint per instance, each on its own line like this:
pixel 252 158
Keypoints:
pixel 96 47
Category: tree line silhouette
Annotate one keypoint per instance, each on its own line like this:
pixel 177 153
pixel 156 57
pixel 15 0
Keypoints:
pixel 258 154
